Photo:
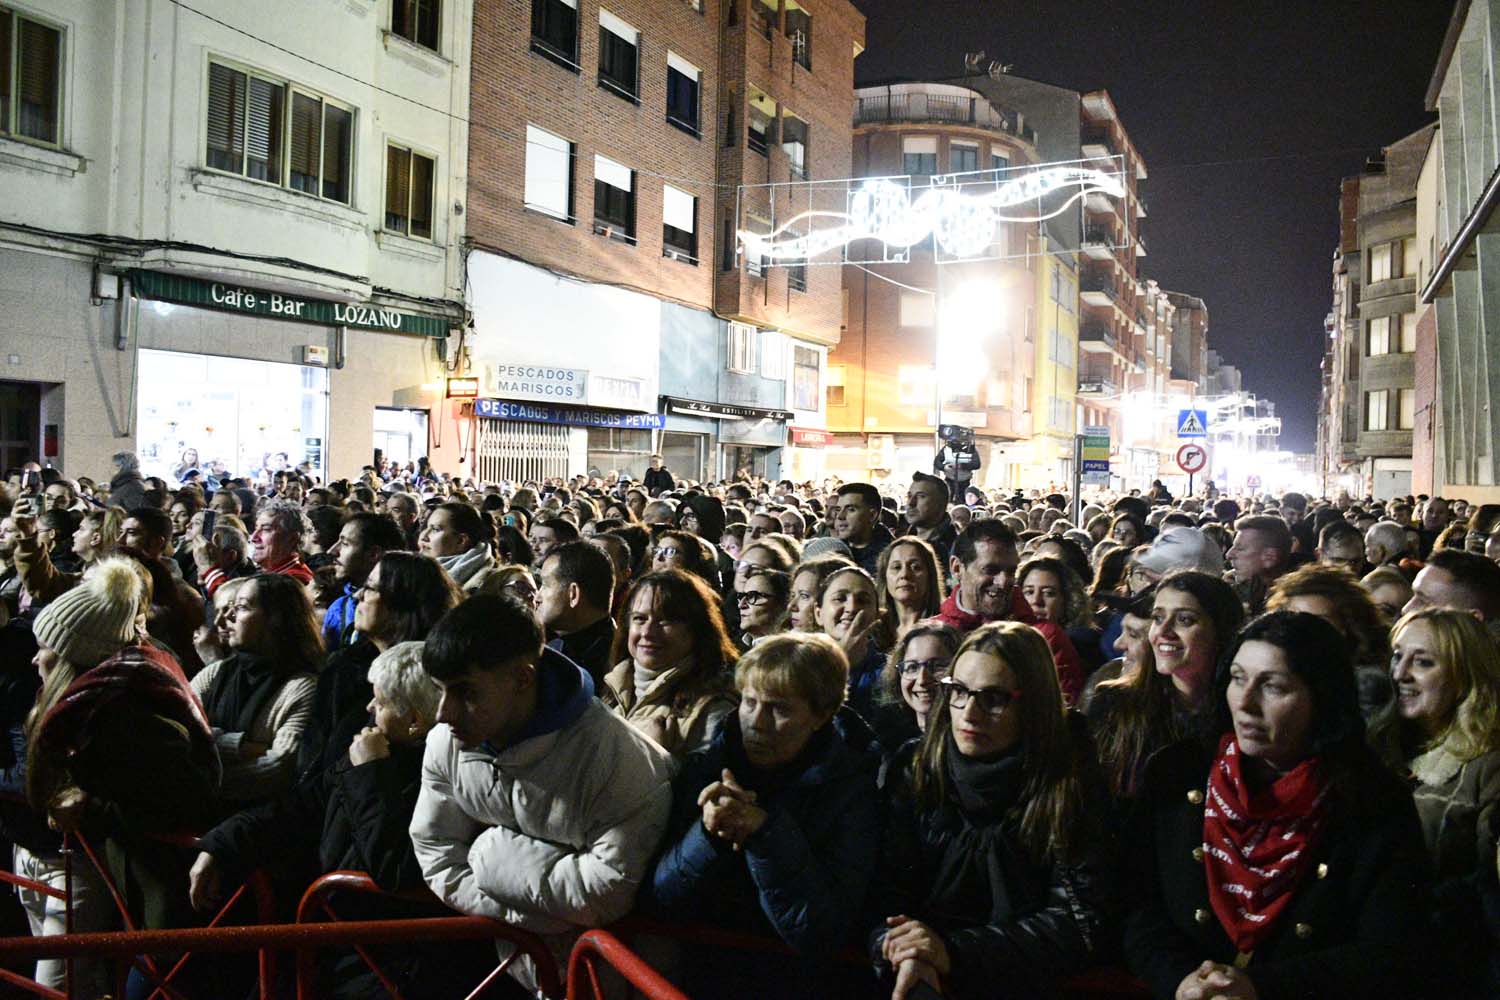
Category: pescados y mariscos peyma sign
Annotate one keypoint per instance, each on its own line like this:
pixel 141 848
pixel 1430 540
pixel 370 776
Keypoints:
pixel 279 305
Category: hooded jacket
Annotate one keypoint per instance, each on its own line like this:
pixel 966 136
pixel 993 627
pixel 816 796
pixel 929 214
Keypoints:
pixel 1070 674
pixel 552 833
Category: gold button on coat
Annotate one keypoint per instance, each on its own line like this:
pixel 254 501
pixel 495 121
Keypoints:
pixel 1202 916
pixel 1195 797
pixel 1322 871
pixel 1303 931
pixel 1198 854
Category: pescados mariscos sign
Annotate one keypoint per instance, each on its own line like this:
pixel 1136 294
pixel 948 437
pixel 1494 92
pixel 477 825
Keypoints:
pixel 278 305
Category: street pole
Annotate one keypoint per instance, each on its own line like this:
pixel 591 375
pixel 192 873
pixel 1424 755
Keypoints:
pixel 1077 478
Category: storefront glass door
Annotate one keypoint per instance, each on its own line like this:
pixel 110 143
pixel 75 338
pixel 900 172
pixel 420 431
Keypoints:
pixel 254 417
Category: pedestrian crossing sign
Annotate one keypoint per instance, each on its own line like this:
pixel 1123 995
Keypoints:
pixel 1192 423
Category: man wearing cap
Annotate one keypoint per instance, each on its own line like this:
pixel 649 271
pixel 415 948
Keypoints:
pixel 1180 548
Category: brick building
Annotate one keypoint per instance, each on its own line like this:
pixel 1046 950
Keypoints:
pixel 612 316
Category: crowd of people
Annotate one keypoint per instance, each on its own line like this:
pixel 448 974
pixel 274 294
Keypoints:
pixel 924 744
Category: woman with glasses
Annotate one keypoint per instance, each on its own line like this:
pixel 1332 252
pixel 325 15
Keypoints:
pixel 761 600
pixel 1127 530
pixel 770 554
pixel 910 680
pixel 910 585
pixel 994 864
pixel 685 551
pixel 672 657
pixel 259 697
pixel 1194 617
pixel 402 598
pixel 1280 858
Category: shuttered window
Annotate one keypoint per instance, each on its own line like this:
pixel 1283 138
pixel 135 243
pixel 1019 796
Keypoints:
pixel 619 48
pixel 408 192
pixel 679 217
pixel 416 21
pixel 250 131
pixel 30 78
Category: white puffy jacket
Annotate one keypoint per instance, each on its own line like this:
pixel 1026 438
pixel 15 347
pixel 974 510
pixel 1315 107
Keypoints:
pixel 553 835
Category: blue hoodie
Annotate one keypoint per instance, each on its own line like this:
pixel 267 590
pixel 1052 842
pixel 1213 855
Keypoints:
pixel 564 691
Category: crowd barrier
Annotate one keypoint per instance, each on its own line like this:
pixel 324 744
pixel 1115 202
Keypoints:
pixel 599 944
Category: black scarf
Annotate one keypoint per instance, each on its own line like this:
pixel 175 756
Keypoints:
pixel 241 690
pixel 769 782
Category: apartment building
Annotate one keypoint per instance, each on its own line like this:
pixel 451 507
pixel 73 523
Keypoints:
pixel 1338 424
pixel 217 232
pixel 928 342
pixel 613 316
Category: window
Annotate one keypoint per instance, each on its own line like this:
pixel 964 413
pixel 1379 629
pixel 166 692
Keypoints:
pixel 963 157
pixel 799 30
pixel 679 225
pixel 549 174
pixel 1408 333
pixel 742 348
pixel 1376 404
pixel 772 355
pixel 554 31
pixel 1063 290
pixel 727 246
pixel 761 120
pixel 1379 336
pixel 919 155
pixel 1380 262
pixel 999 161
pixel 682 93
pixel 249 127
pixel 416 21
pixel 614 200
pixel 618 56
pixel 1406 409
pixel 796 271
pixel 1057 414
pixel 1408 257
pixel 794 143
pixel 917 309
pixel 914 385
pixel 30 78
pixel 408 192
pixel 805 366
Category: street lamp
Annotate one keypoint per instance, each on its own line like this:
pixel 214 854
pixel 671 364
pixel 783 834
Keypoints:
pixel 966 318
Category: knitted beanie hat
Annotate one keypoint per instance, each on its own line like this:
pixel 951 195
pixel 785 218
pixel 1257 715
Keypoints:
pixel 826 547
pixel 96 619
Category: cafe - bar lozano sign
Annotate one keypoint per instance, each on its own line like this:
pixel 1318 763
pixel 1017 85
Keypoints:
pixel 278 305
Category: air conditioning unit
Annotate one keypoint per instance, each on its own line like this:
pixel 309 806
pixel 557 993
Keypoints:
pixel 314 354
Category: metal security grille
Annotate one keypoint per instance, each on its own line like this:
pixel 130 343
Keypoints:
pixel 518 451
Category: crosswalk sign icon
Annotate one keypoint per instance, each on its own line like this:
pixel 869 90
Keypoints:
pixel 1192 423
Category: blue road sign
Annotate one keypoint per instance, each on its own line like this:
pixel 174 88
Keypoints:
pixel 1192 423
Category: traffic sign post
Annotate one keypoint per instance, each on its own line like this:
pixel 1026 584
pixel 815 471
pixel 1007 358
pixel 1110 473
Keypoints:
pixel 1191 458
pixel 1192 423
pixel 1090 463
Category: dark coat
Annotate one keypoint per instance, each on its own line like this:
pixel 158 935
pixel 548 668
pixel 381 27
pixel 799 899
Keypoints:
pixel 801 878
pixel 1355 926
pixel 1028 923
pixel 658 481
pixel 339 708
pixel 589 648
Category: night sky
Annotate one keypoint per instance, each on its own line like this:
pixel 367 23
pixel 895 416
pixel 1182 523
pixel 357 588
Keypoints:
pixel 1247 115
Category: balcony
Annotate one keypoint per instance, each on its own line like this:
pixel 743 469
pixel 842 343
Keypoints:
pixel 1098 386
pixel 1140 208
pixel 939 104
pixel 1097 339
pixel 1098 244
pixel 1097 291
pixel 1140 246
pixel 1097 142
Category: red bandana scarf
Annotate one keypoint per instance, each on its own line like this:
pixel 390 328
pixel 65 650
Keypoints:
pixel 1257 846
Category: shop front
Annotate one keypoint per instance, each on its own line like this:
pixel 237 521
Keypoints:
pixel 521 440
pixel 750 437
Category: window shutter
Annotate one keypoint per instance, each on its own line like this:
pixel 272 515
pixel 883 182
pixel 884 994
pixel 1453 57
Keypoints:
pixel 614 174
pixel 422 171
pixel 226 118
pixel 397 188
pixel 263 134
pixel 37 87
pixel 307 135
pixel 549 172
pixel 338 140
pixel 677 208
pixel 6 21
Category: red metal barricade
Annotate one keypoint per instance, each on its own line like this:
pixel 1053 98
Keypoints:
pixel 317 899
pixel 599 944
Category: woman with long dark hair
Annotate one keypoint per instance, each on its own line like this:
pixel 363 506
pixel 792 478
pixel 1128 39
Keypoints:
pixel 995 864
pixel 1194 618
pixel 1279 857
pixel 909 585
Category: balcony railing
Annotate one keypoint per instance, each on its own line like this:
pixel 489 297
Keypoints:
pixel 1098 236
pixel 948 109
pixel 1098 334
pixel 1101 285
pixel 1089 385
pixel 1099 137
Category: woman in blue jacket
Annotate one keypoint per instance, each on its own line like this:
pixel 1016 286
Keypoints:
pixel 775 826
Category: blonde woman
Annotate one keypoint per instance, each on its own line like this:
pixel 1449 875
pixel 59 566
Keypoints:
pixel 1446 732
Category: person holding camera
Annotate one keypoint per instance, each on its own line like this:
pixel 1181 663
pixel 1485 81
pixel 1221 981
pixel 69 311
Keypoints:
pixel 958 459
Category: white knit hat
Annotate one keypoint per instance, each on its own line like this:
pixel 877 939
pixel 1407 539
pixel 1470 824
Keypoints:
pixel 96 619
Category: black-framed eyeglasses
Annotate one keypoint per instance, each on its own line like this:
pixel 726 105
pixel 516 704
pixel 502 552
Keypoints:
pixel 991 701
pixel 751 598
pixel 359 592
pixel 933 668
pixel 665 552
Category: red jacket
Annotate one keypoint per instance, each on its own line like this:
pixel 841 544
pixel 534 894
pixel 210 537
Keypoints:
pixel 1070 675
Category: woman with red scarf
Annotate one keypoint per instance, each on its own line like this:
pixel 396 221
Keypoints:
pixel 1281 859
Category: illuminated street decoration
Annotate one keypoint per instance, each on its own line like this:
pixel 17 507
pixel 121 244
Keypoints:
pixel 963 213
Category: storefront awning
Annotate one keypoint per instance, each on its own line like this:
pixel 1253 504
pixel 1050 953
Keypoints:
pixel 227 297
pixel 722 411
pixel 573 416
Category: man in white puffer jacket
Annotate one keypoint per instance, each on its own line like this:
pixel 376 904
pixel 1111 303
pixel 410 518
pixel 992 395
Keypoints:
pixel 539 806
